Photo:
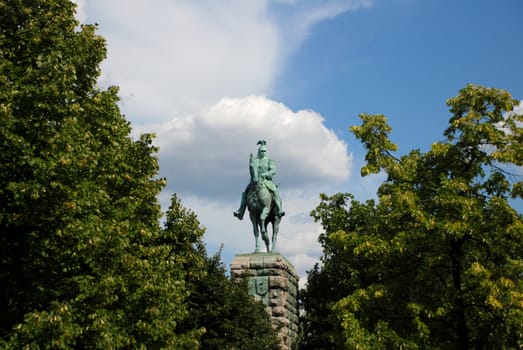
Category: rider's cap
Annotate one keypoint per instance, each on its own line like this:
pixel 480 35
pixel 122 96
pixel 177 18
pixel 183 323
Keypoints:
pixel 263 145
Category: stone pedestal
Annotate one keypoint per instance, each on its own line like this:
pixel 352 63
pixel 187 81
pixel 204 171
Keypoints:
pixel 273 280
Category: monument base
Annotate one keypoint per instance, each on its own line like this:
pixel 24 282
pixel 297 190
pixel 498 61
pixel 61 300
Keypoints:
pixel 273 280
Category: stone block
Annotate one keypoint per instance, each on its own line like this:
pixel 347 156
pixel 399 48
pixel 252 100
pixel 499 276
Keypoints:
pixel 278 282
pixel 240 263
pixel 279 311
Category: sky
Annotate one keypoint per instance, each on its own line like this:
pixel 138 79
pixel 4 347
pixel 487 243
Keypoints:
pixel 210 78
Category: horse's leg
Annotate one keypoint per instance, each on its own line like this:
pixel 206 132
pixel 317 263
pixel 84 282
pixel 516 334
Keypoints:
pixel 263 226
pixel 266 236
pixel 275 228
pixel 254 221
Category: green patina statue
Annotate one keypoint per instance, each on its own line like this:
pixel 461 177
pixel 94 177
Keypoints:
pixel 262 197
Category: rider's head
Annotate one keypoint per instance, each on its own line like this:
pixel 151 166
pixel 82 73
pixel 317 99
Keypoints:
pixel 262 150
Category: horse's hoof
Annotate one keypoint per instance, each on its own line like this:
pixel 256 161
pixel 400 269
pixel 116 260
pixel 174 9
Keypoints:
pixel 238 215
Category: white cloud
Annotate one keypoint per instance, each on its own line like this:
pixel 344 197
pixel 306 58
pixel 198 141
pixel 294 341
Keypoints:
pixel 207 154
pixel 172 58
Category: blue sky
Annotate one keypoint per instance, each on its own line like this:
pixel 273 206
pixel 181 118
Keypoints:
pixel 211 78
pixel 404 59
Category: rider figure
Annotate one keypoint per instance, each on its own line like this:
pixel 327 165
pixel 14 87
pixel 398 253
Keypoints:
pixel 262 169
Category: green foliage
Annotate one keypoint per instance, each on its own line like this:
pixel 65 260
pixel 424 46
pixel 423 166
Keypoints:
pixel 84 263
pixel 373 133
pixel 339 272
pixel 437 262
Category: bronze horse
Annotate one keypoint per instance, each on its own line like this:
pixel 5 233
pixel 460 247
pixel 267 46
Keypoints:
pixel 262 210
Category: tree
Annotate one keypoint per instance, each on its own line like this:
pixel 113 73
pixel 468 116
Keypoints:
pixel 84 262
pixel 437 262
pixel 328 283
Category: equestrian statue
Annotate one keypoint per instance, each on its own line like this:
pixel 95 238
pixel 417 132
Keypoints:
pixel 262 198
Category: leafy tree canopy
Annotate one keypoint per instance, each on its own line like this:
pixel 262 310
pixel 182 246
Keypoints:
pixel 84 261
pixel 437 262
